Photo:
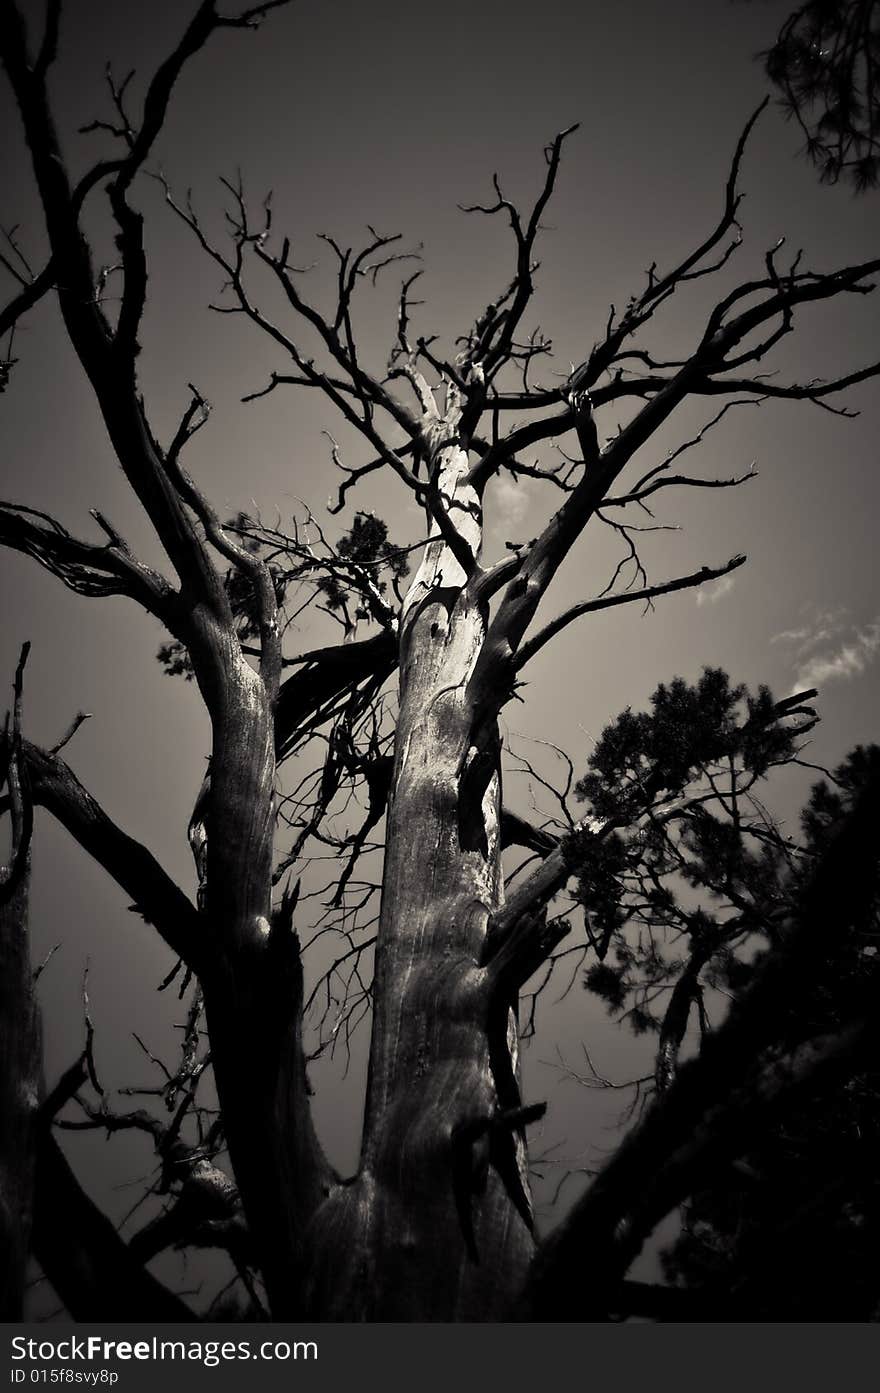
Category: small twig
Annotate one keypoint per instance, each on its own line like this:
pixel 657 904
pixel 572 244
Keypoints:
pixel 41 967
pixel 68 735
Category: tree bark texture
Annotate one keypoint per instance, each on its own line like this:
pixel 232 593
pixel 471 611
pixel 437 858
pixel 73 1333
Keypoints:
pixel 437 1223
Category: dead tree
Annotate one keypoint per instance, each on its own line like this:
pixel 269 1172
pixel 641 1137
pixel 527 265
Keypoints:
pixel 436 1224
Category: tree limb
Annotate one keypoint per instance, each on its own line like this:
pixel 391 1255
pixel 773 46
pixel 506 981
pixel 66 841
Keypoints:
pixel 55 787
pixel 89 1265
pixel 85 568
pixel 647 593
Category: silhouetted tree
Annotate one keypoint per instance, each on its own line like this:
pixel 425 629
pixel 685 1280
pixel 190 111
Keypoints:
pixel 790 1232
pixel 825 61
pixel 400 731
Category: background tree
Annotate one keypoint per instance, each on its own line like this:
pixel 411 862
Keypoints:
pixel 803 1204
pixel 418 762
pixel 824 59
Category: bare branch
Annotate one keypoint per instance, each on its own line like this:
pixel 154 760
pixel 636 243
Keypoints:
pixel 13 880
pixel 49 47
pixel 81 1253
pixel 495 333
pixel 108 354
pixel 83 567
pixel 157 898
pixel 249 564
pixel 32 290
pixel 646 594
pixel 526 900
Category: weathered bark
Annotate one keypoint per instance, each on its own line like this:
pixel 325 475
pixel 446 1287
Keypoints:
pixel 254 1018
pixel 436 1224
pixel 253 984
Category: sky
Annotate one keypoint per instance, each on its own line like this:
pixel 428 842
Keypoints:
pixel 392 115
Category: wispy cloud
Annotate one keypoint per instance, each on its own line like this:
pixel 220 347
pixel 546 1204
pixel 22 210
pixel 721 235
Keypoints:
pixel 791 636
pixel 712 593
pixel 824 626
pixel 830 649
pixel 843 662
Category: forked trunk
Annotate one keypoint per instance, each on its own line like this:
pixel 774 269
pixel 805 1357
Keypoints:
pixel 436 1225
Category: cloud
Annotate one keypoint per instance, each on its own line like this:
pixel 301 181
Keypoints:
pixel 842 662
pixel 828 647
pixel 826 624
pixel 510 503
pixel 711 594
pixel 791 636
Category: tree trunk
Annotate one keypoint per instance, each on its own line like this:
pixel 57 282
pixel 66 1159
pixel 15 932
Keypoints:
pixel 436 1226
pixel 20 1083
pixel 20 1027
pixel 253 986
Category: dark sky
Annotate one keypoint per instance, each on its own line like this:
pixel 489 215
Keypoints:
pixel 392 114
